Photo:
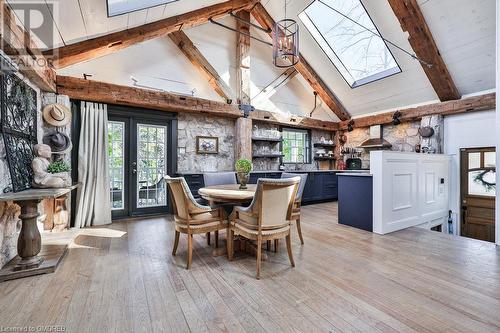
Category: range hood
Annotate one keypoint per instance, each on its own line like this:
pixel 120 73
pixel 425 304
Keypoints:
pixel 376 139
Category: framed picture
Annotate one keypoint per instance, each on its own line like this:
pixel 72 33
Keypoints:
pixel 207 145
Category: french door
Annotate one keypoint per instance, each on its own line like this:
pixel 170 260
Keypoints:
pixel 142 151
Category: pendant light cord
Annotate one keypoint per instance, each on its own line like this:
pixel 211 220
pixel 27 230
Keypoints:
pixel 414 56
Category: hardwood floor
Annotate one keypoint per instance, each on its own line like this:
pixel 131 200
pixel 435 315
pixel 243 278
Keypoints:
pixel 122 278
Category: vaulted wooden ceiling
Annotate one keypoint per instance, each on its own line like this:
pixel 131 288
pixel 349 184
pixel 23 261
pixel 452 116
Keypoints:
pixel 456 36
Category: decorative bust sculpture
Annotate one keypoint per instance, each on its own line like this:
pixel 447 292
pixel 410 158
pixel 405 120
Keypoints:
pixel 43 178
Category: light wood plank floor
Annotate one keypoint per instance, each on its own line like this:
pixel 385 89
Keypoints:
pixel 122 278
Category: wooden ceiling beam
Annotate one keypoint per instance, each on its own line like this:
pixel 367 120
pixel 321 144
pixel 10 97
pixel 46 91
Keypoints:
pixel 243 57
pixel 420 37
pixel 100 46
pixel 465 105
pixel 194 55
pixel 304 68
pixel 95 91
pixel 17 44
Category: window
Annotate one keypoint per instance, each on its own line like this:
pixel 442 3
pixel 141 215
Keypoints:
pixel 119 7
pixel 116 132
pixel 296 146
pixel 359 54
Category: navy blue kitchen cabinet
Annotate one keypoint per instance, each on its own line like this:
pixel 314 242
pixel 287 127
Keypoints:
pixel 329 185
pixel 320 186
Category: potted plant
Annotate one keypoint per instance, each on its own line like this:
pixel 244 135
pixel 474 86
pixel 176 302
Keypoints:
pixel 58 167
pixel 243 168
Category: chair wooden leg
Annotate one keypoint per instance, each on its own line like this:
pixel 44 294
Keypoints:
pixel 289 249
pixel 299 230
pixel 276 245
pixel 259 255
pixel 216 238
pixel 176 242
pixel 208 238
pixel 230 244
pixel 268 245
pixel 190 250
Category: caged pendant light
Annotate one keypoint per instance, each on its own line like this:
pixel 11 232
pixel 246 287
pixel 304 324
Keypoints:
pixel 286 42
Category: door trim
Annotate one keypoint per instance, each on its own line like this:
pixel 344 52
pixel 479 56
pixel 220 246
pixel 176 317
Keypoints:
pixel 140 115
pixel 463 187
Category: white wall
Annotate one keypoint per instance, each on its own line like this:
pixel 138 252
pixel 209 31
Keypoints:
pixel 497 226
pixel 471 130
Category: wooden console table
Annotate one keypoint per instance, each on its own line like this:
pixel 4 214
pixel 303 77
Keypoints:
pixel 29 262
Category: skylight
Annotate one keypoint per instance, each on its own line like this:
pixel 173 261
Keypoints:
pixel 359 54
pixel 119 7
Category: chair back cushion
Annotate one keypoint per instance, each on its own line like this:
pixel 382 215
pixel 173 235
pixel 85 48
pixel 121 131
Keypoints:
pixel 219 178
pixel 179 197
pixel 184 202
pixel 302 184
pixel 275 198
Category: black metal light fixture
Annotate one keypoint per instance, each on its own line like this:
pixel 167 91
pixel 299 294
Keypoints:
pixel 396 118
pixel 350 126
pixel 286 42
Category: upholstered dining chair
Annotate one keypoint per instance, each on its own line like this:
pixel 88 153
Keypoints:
pixel 267 217
pixel 298 200
pixel 219 178
pixel 190 217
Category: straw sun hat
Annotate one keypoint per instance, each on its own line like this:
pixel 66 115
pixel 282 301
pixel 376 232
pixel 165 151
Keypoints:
pixel 57 115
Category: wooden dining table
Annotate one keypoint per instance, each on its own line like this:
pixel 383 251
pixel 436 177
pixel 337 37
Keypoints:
pixel 231 194
pixel 228 193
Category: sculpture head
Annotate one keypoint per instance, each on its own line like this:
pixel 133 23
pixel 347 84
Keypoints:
pixel 42 150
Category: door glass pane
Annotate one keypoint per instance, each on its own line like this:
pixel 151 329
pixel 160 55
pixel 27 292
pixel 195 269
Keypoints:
pixel 152 166
pixel 474 160
pixel 482 182
pixel 490 159
pixel 116 132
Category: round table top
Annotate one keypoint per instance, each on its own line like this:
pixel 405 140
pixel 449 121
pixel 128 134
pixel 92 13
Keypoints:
pixel 228 193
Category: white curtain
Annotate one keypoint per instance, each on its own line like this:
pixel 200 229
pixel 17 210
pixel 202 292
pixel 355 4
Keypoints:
pixel 93 198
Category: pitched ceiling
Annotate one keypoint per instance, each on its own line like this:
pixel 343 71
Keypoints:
pixel 464 31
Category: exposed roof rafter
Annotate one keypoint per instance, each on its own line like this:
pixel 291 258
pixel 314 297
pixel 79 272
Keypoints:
pixel 420 37
pixel 100 46
pixel 194 55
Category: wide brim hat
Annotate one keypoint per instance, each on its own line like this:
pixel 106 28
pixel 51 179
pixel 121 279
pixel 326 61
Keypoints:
pixel 59 143
pixel 57 114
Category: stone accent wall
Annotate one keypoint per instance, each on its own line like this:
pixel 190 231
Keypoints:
pixel 403 137
pixel 189 127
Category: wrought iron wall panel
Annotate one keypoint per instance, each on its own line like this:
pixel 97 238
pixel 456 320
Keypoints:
pixel 18 124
